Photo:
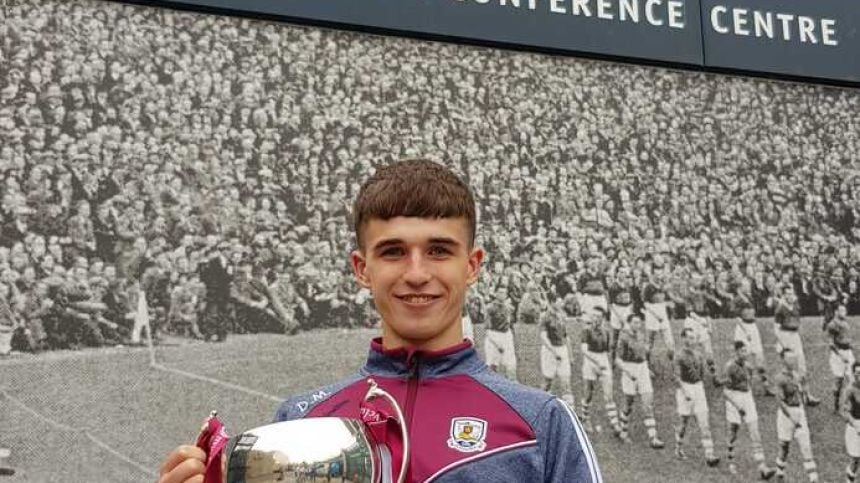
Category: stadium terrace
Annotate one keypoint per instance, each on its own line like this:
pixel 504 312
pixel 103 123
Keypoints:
pixel 658 13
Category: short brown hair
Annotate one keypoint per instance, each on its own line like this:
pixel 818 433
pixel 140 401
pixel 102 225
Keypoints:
pixel 415 188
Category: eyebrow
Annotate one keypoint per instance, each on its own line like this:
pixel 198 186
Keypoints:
pixel 444 241
pixel 398 241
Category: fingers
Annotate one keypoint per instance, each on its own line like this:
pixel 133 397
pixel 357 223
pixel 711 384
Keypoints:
pixel 188 471
pixel 179 456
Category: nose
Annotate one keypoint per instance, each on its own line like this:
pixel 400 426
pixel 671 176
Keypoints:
pixel 417 272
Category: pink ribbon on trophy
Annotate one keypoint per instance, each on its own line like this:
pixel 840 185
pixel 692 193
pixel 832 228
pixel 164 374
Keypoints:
pixel 212 439
pixel 377 420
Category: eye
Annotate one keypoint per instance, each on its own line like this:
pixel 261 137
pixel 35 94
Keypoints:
pixel 391 252
pixel 438 250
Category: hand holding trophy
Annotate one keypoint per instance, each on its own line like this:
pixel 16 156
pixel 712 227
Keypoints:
pixel 289 451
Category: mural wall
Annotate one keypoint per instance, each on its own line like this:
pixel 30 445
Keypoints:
pixel 194 173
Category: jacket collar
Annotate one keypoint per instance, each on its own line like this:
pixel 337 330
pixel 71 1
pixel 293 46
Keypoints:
pixel 401 362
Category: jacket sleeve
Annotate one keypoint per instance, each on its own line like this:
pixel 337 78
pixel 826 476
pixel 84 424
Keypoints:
pixel 287 411
pixel 567 452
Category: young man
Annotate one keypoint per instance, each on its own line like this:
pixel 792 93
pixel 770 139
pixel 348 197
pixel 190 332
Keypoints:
pixel 555 355
pixel 596 342
pixel 841 354
pixel 791 416
pixel 850 412
pixel 690 396
pixel 636 379
pixel 415 227
pixel 740 408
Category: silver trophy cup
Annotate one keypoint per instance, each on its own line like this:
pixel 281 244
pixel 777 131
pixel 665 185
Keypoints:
pixel 314 450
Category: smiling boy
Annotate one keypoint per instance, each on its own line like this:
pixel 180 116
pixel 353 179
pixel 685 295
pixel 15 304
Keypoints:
pixel 415 229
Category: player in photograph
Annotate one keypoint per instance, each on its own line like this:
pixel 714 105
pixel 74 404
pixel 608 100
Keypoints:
pixel 850 412
pixel 746 331
pixel 700 329
pixel 499 339
pixel 841 353
pixel 555 355
pixel 690 396
pixel 473 314
pixel 620 305
pixel 741 409
pixel 791 421
pixel 636 379
pixel 532 304
pixel 592 286
pixel 596 342
pixel 826 292
pixel 787 317
pixel 656 313
pixel 570 309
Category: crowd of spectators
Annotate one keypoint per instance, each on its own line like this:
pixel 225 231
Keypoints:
pixel 138 145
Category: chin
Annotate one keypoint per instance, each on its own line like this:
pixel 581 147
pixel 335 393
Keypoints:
pixel 419 331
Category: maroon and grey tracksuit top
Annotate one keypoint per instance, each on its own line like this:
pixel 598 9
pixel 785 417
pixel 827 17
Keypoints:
pixel 466 423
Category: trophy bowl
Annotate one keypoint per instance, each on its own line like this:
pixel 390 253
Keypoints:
pixel 326 449
pixel 304 450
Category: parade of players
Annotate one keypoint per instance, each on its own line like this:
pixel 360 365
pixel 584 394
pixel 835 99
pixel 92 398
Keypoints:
pixel 620 324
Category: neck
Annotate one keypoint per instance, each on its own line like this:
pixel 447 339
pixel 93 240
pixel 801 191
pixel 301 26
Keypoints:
pixel 451 336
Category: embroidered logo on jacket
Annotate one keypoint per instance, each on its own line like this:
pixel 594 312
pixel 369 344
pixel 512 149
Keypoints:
pixel 468 435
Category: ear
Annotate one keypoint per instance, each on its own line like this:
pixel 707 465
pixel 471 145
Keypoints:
pixel 474 267
pixel 359 268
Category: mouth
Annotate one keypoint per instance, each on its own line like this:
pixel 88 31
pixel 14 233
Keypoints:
pixel 418 300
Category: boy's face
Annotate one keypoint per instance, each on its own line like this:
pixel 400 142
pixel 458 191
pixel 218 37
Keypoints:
pixel 418 270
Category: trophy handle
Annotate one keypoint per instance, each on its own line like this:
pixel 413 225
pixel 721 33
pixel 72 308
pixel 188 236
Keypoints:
pixel 375 391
